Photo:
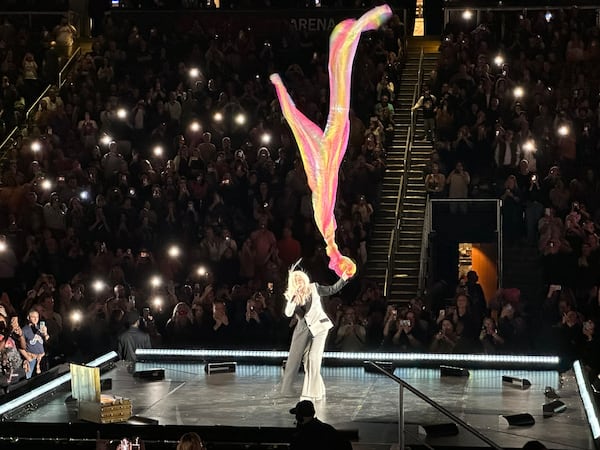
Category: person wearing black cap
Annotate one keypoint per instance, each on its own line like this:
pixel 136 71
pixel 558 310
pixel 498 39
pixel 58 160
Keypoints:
pixel 133 338
pixel 312 434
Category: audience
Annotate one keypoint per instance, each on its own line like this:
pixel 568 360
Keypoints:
pixel 182 191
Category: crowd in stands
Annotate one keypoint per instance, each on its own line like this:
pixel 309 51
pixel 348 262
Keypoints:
pixel 513 113
pixel 30 59
pixel 159 188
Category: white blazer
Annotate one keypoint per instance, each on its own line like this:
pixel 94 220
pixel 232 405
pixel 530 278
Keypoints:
pixel 316 319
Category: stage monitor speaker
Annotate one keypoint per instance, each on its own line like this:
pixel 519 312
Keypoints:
pixel 388 366
pixel 440 430
pixel 106 384
pixel 554 407
pixel 449 371
pixel 150 374
pixel 220 367
pixel 520 420
pixel 519 383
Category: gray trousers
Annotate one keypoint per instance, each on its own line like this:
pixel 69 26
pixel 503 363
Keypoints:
pixel 308 349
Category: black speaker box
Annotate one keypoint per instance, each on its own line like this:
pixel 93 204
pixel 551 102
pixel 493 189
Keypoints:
pixel 449 371
pixel 440 430
pixel 150 374
pixel 520 420
pixel 220 367
pixel 519 383
pixel 554 407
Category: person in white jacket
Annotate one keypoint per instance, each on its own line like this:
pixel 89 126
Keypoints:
pixel 308 340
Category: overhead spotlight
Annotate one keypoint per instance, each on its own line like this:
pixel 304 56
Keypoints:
pixel 218 117
pixel 3 245
pixel 548 16
pixel 563 130
pixel 499 60
pixel 467 14
pixel 84 195
pixel 121 113
pixel 194 72
pixel 265 138
pixel 202 271
pixel 36 146
pixel 195 126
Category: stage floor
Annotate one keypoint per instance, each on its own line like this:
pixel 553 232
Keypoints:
pixel 356 399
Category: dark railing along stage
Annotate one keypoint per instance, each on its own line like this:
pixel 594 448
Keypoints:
pixel 404 385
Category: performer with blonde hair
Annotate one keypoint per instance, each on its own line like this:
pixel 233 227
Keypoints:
pixel 308 340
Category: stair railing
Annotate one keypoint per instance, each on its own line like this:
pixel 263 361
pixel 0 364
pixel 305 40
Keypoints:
pixel 417 91
pixel 404 385
pixel 424 260
pixel 391 246
pixel 62 75
pixel 393 242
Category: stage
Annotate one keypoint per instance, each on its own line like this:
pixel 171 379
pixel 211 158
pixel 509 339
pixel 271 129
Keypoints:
pixel 364 403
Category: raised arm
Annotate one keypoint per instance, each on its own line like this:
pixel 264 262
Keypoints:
pixel 333 289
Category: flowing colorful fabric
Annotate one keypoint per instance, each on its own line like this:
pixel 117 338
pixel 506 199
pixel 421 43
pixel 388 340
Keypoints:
pixel 322 151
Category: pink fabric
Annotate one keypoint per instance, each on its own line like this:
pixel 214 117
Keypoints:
pixel 323 151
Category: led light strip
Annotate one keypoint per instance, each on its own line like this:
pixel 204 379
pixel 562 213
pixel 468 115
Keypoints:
pixel 358 357
pixel 57 382
pixel 586 398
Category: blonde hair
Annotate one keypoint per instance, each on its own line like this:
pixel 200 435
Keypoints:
pixel 292 287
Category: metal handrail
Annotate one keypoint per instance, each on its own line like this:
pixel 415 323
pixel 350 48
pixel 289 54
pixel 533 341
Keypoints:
pixel 404 180
pixel 404 385
pixel 388 270
pixel 424 247
pixel 393 245
pixel 36 103
pixel 61 78
pixel 417 89
pixel 390 253
pixel 6 141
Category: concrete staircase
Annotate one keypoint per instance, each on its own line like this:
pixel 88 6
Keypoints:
pixel 409 224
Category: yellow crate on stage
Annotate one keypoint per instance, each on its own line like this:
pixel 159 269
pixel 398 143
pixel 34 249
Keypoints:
pixel 93 406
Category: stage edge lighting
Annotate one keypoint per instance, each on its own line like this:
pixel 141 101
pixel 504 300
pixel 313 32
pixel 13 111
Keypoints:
pixel 356 357
pixel 51 385
pixel 588 401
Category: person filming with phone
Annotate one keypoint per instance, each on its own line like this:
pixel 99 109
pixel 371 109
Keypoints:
pixel 36 335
